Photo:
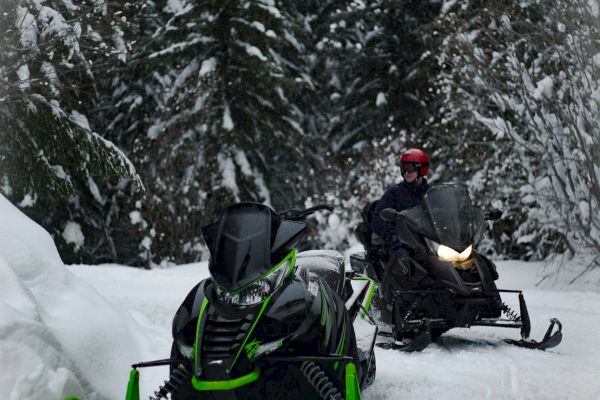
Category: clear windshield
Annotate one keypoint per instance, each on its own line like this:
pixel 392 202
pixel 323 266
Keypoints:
pixel 447 216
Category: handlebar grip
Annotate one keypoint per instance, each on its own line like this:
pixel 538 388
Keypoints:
pixel 388 214
pixel 318 208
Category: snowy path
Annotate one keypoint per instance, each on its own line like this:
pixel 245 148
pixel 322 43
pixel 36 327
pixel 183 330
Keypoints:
pixel 464 364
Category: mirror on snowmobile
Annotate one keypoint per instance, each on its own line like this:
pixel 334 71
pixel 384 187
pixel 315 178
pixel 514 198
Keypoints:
pixel 493 214
pixel 388 214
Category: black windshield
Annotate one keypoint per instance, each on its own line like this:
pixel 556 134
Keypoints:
pixel 246 241
pixel 242 245
pixel 447 216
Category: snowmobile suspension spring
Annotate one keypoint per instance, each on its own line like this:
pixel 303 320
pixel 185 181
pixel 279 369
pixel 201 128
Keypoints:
pixel 317 378
pixel 177 378
pixel 509 312
pixel 411 309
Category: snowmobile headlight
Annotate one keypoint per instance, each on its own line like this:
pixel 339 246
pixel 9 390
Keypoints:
pixel 257 291
pixel 448 254
pixel 254 293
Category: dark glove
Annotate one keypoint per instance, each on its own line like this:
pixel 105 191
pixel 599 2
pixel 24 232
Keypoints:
pixel 393 242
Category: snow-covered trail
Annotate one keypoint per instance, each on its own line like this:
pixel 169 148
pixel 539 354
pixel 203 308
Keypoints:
pixel 464 364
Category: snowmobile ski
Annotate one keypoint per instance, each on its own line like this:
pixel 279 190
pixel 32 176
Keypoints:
pixel 419 343
pixel 550 339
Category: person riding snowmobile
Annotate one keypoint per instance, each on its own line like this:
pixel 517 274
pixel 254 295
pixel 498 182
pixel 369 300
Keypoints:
pixel 414 165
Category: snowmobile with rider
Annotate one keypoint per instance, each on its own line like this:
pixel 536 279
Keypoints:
pixel 436 280
pixel 269 322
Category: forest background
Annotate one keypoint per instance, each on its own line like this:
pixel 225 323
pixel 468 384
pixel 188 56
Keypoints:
pixel 126 126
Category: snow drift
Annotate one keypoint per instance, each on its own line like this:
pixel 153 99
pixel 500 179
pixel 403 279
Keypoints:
pixel 58 336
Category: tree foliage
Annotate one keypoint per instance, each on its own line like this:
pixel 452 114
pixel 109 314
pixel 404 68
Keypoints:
pixel 528 85
pixel 225 129
pixel 294 103
pixel 53 152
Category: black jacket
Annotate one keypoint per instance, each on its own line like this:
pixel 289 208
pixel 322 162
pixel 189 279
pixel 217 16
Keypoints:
pixel 401 196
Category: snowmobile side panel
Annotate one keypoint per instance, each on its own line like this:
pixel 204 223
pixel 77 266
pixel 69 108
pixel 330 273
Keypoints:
pixel 256 319
pixel 198 299
pixel 195 351
pixel 328 265
pixel 290 313
pixel 226 384
pixel 291 301
pixel 326 310
pixel 448 275
pixel 363 290
pixel 190 307
pixel 133 386
pixel 352 384
pixel 366 303
pixel 491 267
pixel 485 276
pixel 340 348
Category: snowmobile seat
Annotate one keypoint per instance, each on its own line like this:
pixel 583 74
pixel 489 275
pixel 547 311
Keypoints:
pixel 327 264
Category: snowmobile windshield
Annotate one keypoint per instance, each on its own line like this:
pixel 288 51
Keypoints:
pixel 447 216
pixel 241 251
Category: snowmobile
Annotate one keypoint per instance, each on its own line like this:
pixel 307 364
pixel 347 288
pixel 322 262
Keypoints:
pixel 436 280
pixel 269 322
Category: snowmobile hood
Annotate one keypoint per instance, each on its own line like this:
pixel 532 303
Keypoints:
pixel 246 242
pixel 447 216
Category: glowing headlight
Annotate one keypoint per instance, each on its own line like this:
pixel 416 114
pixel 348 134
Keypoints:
pixel 446 253
pixel 257 291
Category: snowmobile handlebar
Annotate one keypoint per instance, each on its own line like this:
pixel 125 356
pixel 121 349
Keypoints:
pixel 389 214
pixel 298 215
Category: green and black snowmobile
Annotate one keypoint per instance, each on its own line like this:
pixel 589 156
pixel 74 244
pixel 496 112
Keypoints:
pixel 270 323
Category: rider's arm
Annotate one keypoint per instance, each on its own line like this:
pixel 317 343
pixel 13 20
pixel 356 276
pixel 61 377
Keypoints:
pixel 379 226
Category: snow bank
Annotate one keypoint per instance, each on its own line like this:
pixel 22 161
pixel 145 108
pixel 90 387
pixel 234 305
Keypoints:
pixel 58 336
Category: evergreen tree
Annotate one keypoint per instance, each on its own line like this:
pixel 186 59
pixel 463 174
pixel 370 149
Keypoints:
pixel 226 129
pixel 51 153
pixel 383 70
pixel 376 74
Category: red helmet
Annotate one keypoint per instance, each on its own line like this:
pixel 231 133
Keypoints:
pixel 414 160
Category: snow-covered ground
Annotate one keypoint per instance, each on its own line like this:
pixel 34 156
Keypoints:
pixel 464 364
pixel 75 330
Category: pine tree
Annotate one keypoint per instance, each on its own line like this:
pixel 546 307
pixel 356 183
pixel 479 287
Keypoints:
pixel 375 69
pixel 226 128
pixel 51 152
pixel 382 78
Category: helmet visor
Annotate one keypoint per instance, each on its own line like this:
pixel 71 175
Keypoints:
pixel 409 167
